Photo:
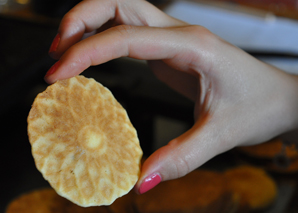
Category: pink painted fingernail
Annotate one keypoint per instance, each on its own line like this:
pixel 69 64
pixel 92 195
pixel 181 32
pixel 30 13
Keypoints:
pixel 53 69
pixel 150 182
pixel 55 43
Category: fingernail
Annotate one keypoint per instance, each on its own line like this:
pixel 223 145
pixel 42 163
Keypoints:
pixel 150 182
pixel 53 69
pixel 55 43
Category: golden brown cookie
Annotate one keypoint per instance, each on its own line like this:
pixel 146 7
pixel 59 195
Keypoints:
pixel 255 189
pixel 48 201
pixel 83 142
pixel 198 191
pixel 269 150
pixel 289 167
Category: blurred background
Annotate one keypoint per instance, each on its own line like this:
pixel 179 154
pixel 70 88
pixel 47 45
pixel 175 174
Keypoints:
pixel 267 29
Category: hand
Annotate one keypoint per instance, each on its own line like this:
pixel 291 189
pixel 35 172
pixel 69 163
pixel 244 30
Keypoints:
pixel 238 99
pixel 92 16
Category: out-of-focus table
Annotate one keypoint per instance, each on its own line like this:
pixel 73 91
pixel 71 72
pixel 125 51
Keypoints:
pixel 269 37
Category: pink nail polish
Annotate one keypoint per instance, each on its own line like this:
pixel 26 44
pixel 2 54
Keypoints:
pixel 53 69
pixel 150 182
pixel 55 43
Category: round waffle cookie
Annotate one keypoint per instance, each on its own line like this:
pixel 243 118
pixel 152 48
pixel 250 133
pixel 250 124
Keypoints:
pixel 255 188
pixel 48 201
pixel 83 142
pixel 269 150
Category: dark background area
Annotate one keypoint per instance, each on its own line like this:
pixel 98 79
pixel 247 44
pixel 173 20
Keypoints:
pixel 24 43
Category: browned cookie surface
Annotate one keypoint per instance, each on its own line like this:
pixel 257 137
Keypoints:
pixel 83 142
pixel 48 201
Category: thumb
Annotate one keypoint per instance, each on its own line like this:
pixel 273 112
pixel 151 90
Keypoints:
pixel 179 157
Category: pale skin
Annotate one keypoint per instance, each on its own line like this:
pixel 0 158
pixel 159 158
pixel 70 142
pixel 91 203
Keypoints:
pixel 239 100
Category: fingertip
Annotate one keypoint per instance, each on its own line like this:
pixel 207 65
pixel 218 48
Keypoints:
pixel 49 80
pixel 55 43
pixel 54 47
pixel 148 183
pixel 171 161
pixel 152 172
pixel 49 75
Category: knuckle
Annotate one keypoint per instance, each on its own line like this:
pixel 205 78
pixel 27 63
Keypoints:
pixel 199 31
pixel 71 21
pixel 205 43
pixel 180 165
pixel 202 35
pixel 124 30
pixel 69 18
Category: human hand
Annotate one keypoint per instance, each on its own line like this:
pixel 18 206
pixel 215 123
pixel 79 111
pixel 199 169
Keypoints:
pixel 93 16
pixel 238 99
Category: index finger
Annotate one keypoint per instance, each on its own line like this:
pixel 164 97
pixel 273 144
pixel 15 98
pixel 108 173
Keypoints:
pixel 88 16
pixel 177 46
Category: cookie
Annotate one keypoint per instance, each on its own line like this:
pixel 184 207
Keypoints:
pixel 269 150
pixel 83 142
pixel 254 187
pixel 48 201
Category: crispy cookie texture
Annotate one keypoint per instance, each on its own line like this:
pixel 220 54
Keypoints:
pixel 83 142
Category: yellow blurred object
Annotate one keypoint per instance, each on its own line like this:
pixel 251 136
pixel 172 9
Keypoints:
pixel 23 1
